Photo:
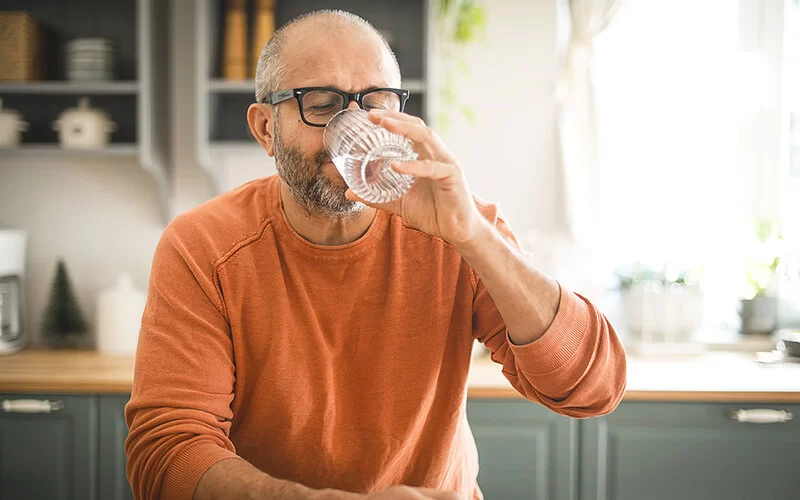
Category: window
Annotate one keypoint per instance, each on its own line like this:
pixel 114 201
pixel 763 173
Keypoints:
pixel 690 130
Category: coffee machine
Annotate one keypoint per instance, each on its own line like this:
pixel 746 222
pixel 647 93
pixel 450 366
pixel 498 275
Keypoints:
pixel 12 290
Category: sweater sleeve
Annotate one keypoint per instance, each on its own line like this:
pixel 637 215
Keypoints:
pixel 577 368
pixel 179 413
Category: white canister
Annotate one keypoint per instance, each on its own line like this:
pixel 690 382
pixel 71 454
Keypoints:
pixel 11 127
pixel 119 317
pixel 12 251
pixel 83 127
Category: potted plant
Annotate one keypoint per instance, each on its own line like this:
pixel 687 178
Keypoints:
pixel 661 305
pixel 758 307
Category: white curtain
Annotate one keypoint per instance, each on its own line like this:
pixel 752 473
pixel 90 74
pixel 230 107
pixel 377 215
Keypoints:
pixel 577 123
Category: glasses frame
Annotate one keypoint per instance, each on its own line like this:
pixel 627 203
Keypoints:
pixel 284 95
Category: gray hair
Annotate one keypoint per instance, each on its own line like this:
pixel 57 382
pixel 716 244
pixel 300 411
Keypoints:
pixel 271 69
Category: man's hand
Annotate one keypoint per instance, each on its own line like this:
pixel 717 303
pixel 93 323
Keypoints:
pixel 440 202
pixel 409 493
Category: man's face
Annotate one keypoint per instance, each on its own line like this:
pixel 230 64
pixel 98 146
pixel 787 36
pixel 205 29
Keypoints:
pixel 349 61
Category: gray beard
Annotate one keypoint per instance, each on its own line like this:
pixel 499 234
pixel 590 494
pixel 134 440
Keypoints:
pixel 316 194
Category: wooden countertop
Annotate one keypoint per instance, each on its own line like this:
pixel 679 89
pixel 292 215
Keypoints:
pixel 68 372
pixel 712 377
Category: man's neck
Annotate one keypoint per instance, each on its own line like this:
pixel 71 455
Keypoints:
pixel 325 230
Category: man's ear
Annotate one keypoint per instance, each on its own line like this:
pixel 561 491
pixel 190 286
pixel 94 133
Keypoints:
pixel 260 118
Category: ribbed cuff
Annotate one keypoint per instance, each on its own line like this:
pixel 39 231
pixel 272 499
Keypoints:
pixel 561 340
pixel 189 466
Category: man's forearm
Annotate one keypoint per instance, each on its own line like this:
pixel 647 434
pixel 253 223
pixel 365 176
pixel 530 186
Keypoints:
pixel 235 478
pixel 527 299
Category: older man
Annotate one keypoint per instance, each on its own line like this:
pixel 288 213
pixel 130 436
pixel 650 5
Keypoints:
pixel 299 343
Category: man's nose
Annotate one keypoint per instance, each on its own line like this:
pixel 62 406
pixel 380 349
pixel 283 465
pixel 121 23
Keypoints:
pixel 353 104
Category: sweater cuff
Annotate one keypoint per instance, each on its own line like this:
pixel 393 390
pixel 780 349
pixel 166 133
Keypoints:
pixel 188 466
pixel 560 341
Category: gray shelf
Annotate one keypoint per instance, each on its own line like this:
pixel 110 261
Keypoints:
pixel 219 86
pixel 231 86
pixel 131 150
pixel 66 87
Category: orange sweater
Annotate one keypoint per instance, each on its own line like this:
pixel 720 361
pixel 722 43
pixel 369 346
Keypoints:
pixel 335 367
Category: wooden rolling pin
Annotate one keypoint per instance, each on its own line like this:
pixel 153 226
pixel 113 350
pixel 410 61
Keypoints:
pixel 263 30
pixel 234 53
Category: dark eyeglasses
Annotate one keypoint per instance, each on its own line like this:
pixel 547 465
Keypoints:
pixel 319 104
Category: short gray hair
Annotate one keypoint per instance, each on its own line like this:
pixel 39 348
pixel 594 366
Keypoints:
pixel 271 69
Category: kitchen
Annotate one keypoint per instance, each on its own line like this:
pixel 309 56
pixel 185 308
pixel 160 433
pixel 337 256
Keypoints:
pixel 665 247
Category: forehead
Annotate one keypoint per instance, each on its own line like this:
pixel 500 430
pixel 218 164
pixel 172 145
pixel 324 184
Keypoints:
pixel 347 58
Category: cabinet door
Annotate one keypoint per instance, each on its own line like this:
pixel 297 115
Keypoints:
pixel 690 451
pixel 48 455
pixel 113 483
pixel 526 451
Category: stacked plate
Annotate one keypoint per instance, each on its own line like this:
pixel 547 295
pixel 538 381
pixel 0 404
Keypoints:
pixel 91 59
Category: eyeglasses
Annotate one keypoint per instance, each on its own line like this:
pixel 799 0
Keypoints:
pixel 319 104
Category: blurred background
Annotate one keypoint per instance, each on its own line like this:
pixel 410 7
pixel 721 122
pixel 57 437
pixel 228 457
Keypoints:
pixel 646 154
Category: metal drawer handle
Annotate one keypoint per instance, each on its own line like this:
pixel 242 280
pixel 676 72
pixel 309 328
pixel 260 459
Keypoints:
pixel 31 406
pixel 761 416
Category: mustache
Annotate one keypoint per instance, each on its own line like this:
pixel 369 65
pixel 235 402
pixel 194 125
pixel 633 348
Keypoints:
pixel 321 158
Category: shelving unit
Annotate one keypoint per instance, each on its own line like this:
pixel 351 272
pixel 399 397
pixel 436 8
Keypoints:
pixel 117 149
pixel 221 123
pixel 137 101
pixel 68 87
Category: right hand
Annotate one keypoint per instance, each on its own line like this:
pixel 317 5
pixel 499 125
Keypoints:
pixel 409 493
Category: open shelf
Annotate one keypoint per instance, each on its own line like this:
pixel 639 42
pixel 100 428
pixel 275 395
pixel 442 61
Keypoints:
pixel 137 100
pixel 68 87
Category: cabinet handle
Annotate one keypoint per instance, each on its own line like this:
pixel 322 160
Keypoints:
pixel 31 406
pixel 761 416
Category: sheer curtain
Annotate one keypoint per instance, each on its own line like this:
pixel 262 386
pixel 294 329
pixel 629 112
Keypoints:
pixel 577 125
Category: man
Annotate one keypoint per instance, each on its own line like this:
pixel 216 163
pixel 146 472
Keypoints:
pixel 298 343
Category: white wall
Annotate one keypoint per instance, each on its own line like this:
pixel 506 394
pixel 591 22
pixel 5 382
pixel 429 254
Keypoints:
pixel 509 154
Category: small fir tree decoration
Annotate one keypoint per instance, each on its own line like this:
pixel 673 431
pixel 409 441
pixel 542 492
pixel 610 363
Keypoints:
pixel 63 322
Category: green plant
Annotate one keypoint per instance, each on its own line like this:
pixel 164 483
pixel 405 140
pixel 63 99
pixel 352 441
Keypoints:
pixel 764 259
pixel 459 23
pixel 664 276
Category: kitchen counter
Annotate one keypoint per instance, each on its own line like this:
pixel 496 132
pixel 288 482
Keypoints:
pixel 66 372
pixel 711 377
pixel 720 377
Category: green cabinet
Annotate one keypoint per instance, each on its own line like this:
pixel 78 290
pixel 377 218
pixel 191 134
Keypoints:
pixel 60 447
pixel 112 482
pixel 654 451
pixel 526 452
pixel 72 447
pixel 48 447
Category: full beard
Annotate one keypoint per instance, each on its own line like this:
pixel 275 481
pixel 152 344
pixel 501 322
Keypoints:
pixel 314 192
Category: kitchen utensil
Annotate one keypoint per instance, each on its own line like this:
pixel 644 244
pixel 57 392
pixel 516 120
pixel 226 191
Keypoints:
pixel 11 127
pixel 264 28
pixel 12 297
pixel 91 59
pixel 22 47
pixel 119 317
pixel 789 342
pixel 234 60
pixel 83 127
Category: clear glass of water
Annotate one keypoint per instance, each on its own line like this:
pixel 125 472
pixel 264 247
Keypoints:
pixel 362 152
